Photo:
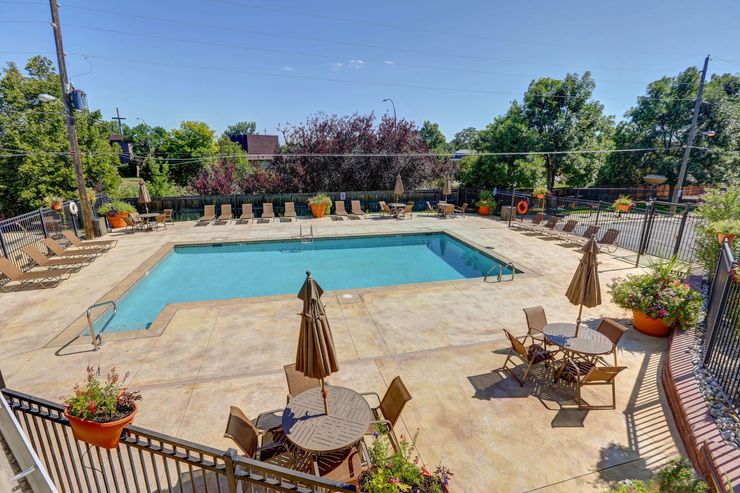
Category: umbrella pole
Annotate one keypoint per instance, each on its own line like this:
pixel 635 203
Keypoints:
pixel 323 394
pixel 578 320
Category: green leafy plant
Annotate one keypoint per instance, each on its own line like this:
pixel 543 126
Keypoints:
pixel 726 226
pixel 102 401
pixel 320 198
pixel 116 205
pixel 677 477
pixel 622 200
pixel 539 190
pixel 485 199
pixel 717 205
pixel 659 294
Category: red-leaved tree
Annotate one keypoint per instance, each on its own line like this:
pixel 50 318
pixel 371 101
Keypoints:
pixel 218 179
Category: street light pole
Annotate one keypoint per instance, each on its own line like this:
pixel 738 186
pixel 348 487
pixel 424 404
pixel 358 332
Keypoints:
pixel 394 109
pixel 690 138
pixel 71 129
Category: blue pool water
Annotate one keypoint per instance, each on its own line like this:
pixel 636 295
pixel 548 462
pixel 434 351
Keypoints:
pixel 223 271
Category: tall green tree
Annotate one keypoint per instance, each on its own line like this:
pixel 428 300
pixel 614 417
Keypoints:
pixel 467 138
pixel 433 137
pixel 34 162
pixel 189 148
pixel 241 128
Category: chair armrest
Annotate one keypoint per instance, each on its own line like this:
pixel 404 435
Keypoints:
pixel 278 412
pixel 377 397
pixel 390 432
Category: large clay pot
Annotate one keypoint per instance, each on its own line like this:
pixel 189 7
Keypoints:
pixel 624 207
pixel 540 196
pixel 104 435
pixel 318 210
pixel 650 326
pixel 484 211
pixel 117 220
pixel 721 238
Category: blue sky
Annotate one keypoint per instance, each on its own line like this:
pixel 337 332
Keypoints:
pixel 456 63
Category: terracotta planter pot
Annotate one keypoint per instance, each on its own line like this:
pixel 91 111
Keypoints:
pixel 623 207
pixel 540 196
pixel 318 210
pixel 721 238
pixel 57 206
pixel 650 326
pixel 117 220
pixel 484 211
pixel 104 435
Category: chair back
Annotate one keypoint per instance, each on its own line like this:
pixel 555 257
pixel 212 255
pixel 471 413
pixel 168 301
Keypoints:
pixel 160 219
pixel 409 207
pixel 538 218
pixel 11 271
pixel 339 208
pixel 209 210
pixel 590 232
pixel 240 429
pixel 226 209
pixel 72 238
pixel 53 246
pixel 464 208
pixel 394 400
pixel 569 226
pixel 449 208
pixel 168 214
pixel 602 374
pixel 36 255
pixel 384 207
pixel 247 211
pixel 267 210
pixel 290 209
pixel 517 345
pixel 129 221
pixel 536 319
pixel 612 329
pixel 357 208
pixel 430 208
pixel 298 382
pixel 551 222
pixel 609 237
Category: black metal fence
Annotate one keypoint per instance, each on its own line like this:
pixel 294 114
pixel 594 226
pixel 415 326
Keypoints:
pixel 26 229
pixel 722 338
pixel 147 461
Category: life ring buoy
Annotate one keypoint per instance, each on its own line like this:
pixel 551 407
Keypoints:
pixel 522 207
pixel 73 208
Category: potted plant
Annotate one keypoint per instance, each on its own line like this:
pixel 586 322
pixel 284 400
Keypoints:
pixel 726 229
pixel 98 410
pixel 400 471
pixel 55 203
pixel 623 203
pixel 658 299
pixel 539 192
pixel 485 203
pixel 320 204
pixel 116 211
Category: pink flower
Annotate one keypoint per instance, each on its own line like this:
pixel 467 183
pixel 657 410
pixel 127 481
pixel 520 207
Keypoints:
pixel 394 480
pixel 425 471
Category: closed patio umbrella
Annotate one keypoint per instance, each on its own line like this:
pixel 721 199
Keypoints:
pixel 584 288
pixel 447 190
pixel 144 197
pixel 398 189
pixel 316 356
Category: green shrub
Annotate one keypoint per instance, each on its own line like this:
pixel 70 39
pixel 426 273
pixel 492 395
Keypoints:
pixel 485 199
pixel 539 190
pixel 717 205
pixel 725 226
pixel 321 198
pixel 117 205
pixel 622 200
pixel 677 477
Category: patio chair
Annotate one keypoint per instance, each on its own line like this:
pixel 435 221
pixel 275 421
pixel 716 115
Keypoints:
pixel 614 331
pixel 339 211
pixel 290 211
pixel 548 227
pixel 75 241
pixel 596 375
pixel 461 210
pixel 160 222
pixel 298 382
pixel 447 210
pixel 589 233
pixel 44 278
pixel 59 251
pixel 407 211
pixel 226 214
pixel 131 226
pixel 357 212
pixel 608 242
pixel 209 214
pixel 247 214
pixel 536 220
pixel 261 446
pixel 385 210
pixel 536 321
pixel 42 260
pixel 168 213
pixel 567 229
pixel 267 212
pixel 530 355
pixel 389 408
pixel 431 209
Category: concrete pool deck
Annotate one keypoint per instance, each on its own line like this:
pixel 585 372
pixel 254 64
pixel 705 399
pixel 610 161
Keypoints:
pixel 443 338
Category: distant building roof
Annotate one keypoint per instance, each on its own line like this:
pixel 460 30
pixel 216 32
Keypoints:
pixel 258 145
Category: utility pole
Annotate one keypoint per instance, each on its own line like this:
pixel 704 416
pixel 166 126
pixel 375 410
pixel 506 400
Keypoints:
pixel 119 118
pixel 690 139
pixel 71 130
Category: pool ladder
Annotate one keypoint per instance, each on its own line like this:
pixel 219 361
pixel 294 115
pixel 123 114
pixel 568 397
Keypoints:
pixel 500 272
pixel 309 237
pixel 97 339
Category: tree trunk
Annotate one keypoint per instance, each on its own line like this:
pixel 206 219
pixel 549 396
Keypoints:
pixel 550 173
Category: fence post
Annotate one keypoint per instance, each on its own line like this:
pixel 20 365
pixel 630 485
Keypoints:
pixel 681 228
pixel 511 212
pixel 43 224
pixel 3 245
pixel 230 467
pixel 644 232
pixel 598 212
pixel 723 293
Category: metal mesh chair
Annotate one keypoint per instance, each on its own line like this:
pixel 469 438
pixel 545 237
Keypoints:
pixel 389 408
pixel 614 331
pixel 298 382
pixel 536 321
pixel 530 355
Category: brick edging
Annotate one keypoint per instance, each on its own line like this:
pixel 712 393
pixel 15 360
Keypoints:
pixel 698 430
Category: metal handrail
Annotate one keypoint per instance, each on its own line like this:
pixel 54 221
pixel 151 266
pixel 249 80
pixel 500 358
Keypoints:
pixel 97 340
pixel 500 271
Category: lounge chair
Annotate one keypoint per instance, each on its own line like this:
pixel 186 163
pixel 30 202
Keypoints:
pixel 614 331
pixel 608 242
pixel 247 214
pixel 168 213
pixel 536 220
pixel 530 355
pixel 536 321
pixel 59 251
pixel 357 212
pixel 589 233
pixel 407 211
pixel 389 408
pixel 42 260
pixel 339 211
pixel 44 278
pixel 548 227
pixel 461 210
pixel 567 229
pixel 298 382
pixel 583 373
pixel 267 212
pixel 290 211
pixel 209 214
pixel 226 214
pixel 75 241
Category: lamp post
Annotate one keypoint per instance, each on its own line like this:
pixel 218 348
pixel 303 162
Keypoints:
pixel 386 100
pixel 654 181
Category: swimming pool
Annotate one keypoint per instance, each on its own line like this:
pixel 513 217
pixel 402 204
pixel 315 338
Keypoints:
pixel 243 270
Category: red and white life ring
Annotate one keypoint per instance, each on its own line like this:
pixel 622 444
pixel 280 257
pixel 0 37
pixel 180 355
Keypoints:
pixel 522 207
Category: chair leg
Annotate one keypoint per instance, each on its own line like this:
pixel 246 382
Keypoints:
pixel 526 372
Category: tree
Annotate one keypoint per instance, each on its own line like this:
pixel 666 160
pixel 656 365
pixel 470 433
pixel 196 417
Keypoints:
pixel 467 138
pixel 146 141
pixel 240 128
pixel 188 149
pixel 433 137
pixel 218 179
pixel 661 119
pixel 35 163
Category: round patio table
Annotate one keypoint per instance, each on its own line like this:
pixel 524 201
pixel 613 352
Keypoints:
pixel 588 341
pixel 307 427
pixel 149 215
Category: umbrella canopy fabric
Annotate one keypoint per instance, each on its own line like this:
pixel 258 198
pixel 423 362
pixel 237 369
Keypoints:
pixel 144 197
pixel 398 188
pixel 447 190
pixel 584 288
pixel 316 356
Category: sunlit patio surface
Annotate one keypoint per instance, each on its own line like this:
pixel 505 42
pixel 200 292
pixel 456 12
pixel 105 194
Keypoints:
pixel 445 339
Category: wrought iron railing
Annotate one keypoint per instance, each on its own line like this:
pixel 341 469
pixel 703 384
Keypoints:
pixel 147 461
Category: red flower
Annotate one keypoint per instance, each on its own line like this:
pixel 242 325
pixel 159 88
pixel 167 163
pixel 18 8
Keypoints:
pixel 425 471
pixel 92 408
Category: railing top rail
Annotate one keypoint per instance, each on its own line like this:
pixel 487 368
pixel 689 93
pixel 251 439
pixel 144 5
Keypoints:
pixel 29 215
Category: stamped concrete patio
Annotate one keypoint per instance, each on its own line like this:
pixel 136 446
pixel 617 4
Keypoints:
pixel 444 339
